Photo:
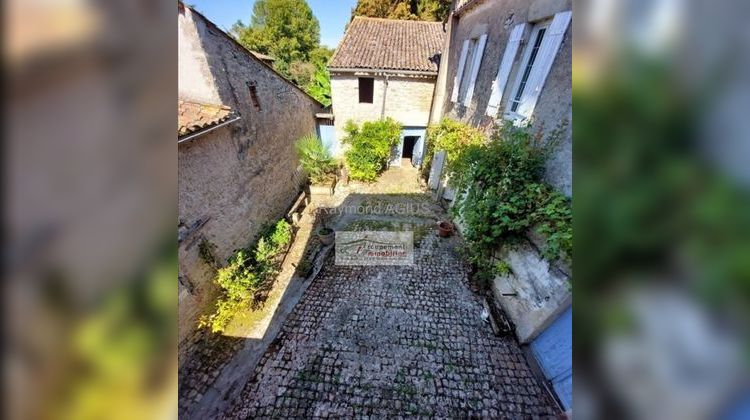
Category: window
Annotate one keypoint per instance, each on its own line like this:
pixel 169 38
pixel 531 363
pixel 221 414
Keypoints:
pixel 539 54
pixel 532 51
pixel 366 87
pixel 466 75
pixel 253 95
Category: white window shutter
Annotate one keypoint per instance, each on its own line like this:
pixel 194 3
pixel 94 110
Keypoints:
pixel 503 72
pixel 475 68
pixel 459 71
pixel 545 57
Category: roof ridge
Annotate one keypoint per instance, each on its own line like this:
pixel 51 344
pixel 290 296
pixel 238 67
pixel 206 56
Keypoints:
pixel 396 20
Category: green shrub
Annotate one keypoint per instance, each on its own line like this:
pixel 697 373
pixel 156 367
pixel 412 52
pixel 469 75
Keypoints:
pixel 320 86
pixel 315 159
pixel 451 136
pixel 247 272
pixel 371 147
pixel 502 195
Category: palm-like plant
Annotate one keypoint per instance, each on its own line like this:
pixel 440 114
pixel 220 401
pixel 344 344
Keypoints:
pixel 315 159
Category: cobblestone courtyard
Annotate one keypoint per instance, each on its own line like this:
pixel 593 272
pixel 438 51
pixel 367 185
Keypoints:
pixel 369 341
pixel 392 341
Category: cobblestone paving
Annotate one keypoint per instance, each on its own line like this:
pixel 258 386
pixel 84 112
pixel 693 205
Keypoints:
pixel 392 341
pixel 205 356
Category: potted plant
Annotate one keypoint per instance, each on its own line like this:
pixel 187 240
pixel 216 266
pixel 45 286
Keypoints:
pixel 318 164
pixel 445 229
pixel 325 234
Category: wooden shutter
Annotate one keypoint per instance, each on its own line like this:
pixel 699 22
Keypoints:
pixel 436 169
pixel 459 71
pixel 475 68
pixel 545 57
pixel 503 72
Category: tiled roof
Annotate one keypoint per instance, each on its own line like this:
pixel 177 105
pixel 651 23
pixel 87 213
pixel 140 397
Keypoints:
pixel 193 116
pixel 372 43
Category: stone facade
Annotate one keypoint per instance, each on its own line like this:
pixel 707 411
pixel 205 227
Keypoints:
pixel 554 104
pixel 408 99
pixel 236 178
pixel 535 292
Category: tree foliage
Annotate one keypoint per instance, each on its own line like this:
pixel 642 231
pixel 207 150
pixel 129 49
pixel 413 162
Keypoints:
pixel 284 29
pixel 430 10
pixel 289 32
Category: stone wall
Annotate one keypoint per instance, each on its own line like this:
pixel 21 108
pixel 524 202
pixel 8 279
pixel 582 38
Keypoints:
pixel 496 19
pixel 233 179
pixel 534 292
pixel 408 99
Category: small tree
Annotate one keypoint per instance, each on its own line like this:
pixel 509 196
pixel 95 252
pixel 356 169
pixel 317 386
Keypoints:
pixel 371 146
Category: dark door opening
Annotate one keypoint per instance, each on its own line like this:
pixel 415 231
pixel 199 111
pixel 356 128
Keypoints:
pixel 409 142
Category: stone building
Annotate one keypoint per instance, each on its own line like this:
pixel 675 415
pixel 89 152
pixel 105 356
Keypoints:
pixel 238 120
pixel 387 68
pixel 511 60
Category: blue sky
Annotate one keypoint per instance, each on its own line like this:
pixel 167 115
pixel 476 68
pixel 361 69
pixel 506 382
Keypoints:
pixel 332 15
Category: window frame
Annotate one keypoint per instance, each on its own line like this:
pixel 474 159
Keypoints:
pixel 531 40
pixel 360 79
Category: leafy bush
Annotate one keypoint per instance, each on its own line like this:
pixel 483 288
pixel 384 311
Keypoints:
pixel 451 136
pixel 315 159
pixel 371 147
pixel 320 86
pixel 247 272
pixel 502 195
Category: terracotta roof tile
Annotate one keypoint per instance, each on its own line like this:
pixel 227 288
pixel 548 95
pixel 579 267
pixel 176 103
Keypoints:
pixel 193 116
pixel 372 43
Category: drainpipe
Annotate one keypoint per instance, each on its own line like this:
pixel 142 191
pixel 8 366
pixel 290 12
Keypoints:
pixel 385 92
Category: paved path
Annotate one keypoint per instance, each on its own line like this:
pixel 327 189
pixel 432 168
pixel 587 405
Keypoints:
pixel 392 341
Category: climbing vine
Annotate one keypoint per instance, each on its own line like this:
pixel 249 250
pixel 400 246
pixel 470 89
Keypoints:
pixel 502 196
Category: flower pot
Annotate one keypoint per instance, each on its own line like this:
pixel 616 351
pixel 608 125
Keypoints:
pixel 326 236
pixel 445 229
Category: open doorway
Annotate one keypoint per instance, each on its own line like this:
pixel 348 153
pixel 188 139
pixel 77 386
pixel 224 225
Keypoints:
pixel 408 150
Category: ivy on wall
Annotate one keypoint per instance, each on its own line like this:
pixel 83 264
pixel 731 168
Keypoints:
pixel 502 196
